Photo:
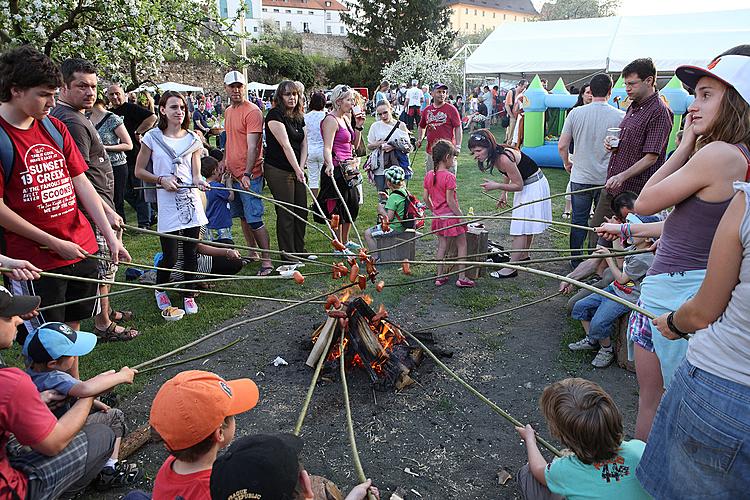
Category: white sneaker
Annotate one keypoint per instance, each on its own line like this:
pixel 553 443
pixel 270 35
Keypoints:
pixel 162 300
pixel 604 357
pixel 190 306
pixel 584 344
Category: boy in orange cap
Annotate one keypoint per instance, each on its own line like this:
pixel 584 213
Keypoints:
pixel 194 414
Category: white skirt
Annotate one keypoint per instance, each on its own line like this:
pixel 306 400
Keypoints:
pixel 541 210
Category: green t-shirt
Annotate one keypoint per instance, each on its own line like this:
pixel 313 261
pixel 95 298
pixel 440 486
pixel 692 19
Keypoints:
pixel 615 478
pixel 397 203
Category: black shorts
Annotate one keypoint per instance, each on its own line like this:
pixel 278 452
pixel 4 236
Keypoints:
pixel 59 290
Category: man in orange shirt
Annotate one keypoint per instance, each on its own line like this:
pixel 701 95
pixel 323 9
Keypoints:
pixel 243 158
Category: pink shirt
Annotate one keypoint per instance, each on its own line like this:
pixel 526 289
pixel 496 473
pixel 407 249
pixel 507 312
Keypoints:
pixel 439 189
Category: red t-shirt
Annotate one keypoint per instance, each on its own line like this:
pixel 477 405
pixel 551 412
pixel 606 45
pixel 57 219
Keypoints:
pixel 169 485
pixel 239 121
pixel 23 414
pixel 439 123
pixel 40 190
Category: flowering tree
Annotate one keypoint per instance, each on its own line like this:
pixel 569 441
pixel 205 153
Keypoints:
pixel 127 39
pixel 425 62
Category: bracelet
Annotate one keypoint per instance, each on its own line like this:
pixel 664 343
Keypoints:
pixel 358 128
pixel 158 180
pixel 674 329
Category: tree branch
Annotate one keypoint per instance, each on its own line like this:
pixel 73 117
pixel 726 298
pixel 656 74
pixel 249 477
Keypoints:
pixel 72 22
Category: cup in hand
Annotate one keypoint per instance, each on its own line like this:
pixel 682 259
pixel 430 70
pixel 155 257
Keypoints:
pixel 613 137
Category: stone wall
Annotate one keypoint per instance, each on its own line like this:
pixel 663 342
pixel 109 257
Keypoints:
pixel 325 45
pixel 202 74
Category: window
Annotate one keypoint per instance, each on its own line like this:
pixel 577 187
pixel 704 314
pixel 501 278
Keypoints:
pixel 483 27
pixel 475 12
pixel 328 16
pixel 275 10
pixel 265 10
pixel 515 18
pixel 475 27
pixel 288 11
pixel 341 30
pixel 467 25
pixel 467 11
pixel 248 9
pixel 223 11
pixel 255 29
pixel 328 30
pixel 482 13
pixel 289 24
pixel 494 15
pixel 328 4
pixel 278 24
pixel 299 12
pixel 311 12
pixel 306 27
pixel 504 15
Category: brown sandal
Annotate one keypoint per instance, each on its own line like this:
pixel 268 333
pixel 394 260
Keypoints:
pixel 124 315
pixel 110 334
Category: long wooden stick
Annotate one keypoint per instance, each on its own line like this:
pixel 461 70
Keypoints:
pixel 349 423
pixel 313 384
pixel 194 358
pixel 507 416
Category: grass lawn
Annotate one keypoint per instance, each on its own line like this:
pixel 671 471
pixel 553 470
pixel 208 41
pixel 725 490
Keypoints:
pixel 158 336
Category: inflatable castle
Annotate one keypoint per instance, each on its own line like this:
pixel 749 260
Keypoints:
pixel 537 104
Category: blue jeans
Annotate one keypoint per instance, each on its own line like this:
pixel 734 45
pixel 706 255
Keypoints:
pixel 700 440
pixel 601 312
pixel 581 206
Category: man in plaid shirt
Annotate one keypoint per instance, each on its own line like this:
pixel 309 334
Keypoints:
pixel 643 138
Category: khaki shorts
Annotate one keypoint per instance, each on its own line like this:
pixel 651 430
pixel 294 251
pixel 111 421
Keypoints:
pixel 107 269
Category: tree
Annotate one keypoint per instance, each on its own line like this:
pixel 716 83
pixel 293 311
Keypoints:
pixel 578 9
pixel 125 38
pixel 379 29
pixel 286 38
pixel 425 62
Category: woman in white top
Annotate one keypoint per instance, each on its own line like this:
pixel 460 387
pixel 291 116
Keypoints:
pixel 180 209
pixel 376 140
pixel 315 140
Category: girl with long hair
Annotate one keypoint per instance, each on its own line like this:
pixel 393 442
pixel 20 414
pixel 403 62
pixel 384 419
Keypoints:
pixel 339 137
pixel 441 198
pixel 380 130
pixel 698 181
pixel 180 208
pixel 522 177
pixel 284 160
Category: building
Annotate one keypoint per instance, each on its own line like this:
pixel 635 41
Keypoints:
pixel 306 16
pixel 476 16
pixel 228 9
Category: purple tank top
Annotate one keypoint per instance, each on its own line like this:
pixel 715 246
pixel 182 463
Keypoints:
pixel 687 236
pixel 342 143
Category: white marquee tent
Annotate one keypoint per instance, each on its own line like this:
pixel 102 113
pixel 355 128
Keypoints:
pixel 609 43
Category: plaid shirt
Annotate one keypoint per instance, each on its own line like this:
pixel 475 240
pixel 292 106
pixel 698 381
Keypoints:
pixel 645 129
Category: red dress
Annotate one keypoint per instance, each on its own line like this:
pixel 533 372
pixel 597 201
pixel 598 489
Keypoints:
pixel 437 192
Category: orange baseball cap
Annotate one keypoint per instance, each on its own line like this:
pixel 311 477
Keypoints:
pixel 193 404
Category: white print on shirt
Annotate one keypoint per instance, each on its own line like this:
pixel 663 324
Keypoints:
pixel 436 118
pixel 46 182
pixel 185 206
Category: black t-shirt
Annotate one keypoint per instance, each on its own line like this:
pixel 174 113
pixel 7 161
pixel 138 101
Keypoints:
pixel 482 109
pixel 132 116
pixel 90 145
pixel 295 130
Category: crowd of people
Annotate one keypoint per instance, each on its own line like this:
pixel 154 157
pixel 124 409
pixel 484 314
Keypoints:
pixel 68 156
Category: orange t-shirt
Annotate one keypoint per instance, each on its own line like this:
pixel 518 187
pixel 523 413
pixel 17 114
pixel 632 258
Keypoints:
pixel 238 122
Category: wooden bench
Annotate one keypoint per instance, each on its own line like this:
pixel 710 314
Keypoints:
pixel 401 252
pixel 477 247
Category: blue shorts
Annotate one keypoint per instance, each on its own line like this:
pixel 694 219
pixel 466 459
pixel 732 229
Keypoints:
pixel 246 205
pixel 699 439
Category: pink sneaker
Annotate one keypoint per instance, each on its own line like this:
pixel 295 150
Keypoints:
pixel 465 283
pixel 162 300
pixel 190 306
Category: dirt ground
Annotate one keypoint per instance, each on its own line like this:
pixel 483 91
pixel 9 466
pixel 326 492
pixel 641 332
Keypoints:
pixel 435 440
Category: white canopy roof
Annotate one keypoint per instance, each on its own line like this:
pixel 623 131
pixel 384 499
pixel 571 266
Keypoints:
pixel 179 87
pixel 257 86
pixel 609 43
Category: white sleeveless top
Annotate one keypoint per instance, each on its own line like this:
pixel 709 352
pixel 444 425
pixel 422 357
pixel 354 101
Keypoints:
pixel 723 348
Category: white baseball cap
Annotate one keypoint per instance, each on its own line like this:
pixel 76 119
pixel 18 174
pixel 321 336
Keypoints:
pixel 733 70
pixel 234 77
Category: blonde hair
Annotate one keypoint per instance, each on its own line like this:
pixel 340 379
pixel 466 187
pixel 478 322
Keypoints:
pixel 584 417
pixel 340 92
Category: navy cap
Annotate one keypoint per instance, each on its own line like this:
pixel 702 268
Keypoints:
pixel 54 340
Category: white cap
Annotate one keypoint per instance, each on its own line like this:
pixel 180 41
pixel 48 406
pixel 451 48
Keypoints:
pixel 733 70
pixel 234 77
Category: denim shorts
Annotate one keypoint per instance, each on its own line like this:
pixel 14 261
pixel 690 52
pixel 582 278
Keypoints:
pixel 699 446
pixel 246 205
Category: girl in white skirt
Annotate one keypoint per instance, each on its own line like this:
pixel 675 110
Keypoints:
pixel 526 180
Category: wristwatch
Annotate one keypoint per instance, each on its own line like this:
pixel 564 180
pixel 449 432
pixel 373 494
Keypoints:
pixel 249 176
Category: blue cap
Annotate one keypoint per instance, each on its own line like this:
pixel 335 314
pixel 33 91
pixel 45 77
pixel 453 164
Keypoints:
pixel 54 340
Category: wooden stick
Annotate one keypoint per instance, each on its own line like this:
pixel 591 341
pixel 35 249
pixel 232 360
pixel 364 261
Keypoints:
pixel 314 381
pixel 321 345
pixel 348 213
pixel 507 416
pixel 194 358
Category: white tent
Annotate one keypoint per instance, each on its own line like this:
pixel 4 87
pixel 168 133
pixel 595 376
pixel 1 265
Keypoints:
pixel 258 87
pixel 179 87
pixel 609 43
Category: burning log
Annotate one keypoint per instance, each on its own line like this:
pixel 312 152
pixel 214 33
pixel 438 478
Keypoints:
pixel 371 344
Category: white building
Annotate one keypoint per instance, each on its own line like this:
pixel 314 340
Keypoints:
pixel 305 16
pixel 253 22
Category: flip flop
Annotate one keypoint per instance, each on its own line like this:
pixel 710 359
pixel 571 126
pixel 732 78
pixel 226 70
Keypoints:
pixel 264 271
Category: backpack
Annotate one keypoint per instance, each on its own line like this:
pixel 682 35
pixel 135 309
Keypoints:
pixel 8 151
pixel 413 211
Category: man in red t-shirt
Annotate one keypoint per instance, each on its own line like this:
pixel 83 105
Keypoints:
pixel 40 191
pixel 65 456
pixel 440 120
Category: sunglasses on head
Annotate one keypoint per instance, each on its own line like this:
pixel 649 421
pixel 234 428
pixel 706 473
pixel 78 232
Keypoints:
pixel 479 138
